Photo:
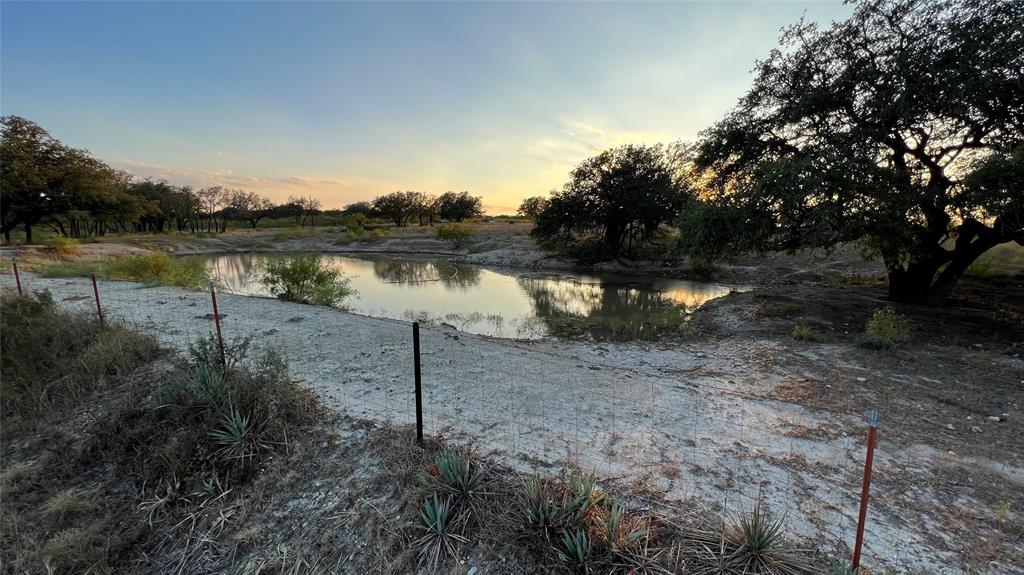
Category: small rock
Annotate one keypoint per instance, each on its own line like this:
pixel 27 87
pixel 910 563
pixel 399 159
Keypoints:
pixel 975 429
pixel 472 571
pixel 862 379
pixel 950 427
pixel 993 418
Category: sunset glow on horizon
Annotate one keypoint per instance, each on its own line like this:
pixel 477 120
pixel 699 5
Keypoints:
pixel 346 101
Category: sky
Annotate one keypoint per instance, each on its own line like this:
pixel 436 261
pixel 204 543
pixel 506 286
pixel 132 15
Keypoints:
pixel 346 101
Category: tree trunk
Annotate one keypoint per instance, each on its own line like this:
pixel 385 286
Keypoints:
pixel 28 233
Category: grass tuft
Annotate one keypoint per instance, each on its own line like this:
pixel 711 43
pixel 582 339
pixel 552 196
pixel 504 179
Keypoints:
pixel 884 330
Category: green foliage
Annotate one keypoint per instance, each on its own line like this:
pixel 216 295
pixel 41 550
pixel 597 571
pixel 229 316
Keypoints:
pixel 62 246
pixel 457 475
pixel 153 268
pixel 458 234
pixel 306 279
pixel 618 535
pixel 760 544
pixel 456 207
pixel 575 550
pixel 538 505
pixel 237 437
pixel 885 330
pixel 804 332
pixel 621 196
pixel 440 540
pixel 843 136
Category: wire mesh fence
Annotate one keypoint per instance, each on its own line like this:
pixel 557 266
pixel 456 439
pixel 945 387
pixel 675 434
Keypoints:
pixel 671 426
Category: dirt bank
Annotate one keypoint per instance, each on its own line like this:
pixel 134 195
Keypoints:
pixel 722 418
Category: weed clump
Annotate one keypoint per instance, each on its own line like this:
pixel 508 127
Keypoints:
pixel 62 246
pixel 804 332
pixel 885 330
pixel 306 279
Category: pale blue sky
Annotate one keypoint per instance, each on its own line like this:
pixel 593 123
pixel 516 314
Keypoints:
pixel 348 100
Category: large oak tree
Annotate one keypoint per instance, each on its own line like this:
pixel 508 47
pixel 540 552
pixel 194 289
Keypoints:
pixel 901 125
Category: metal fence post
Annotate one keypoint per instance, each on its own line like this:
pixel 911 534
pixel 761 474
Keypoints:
pixel 868 460
pixel 96 293
pixel 17 278
pixel 216 321
pixel 419 388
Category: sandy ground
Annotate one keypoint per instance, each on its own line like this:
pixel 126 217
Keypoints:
pixel 714 423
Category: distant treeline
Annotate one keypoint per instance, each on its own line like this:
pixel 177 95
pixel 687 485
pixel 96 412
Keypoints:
pixel 47 183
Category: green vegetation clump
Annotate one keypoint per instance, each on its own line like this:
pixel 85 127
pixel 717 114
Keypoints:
pixel 458 234
pixel 306 279
pixel 62 246
pixel 119 459
pixel 804 332
pixel 885 330
pixel 158 268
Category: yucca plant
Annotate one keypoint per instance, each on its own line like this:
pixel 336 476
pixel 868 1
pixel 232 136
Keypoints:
pixel 211 389
pixel 841 568
pixel 620 536
pixel 440 538
pixel 538 506
pixel 577 500
pixel 760 546
pixel 457 475
pixel 575 550
pixel 237 437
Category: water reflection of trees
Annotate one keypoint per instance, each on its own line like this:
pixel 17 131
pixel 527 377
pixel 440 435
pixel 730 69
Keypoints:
pixel 413 272
pixel 603 311
pixel 236 272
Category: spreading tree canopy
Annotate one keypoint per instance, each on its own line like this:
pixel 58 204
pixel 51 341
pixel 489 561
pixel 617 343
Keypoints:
pixel 622 196
pixel 902 125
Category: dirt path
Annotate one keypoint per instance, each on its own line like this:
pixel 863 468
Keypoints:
pixel 694 422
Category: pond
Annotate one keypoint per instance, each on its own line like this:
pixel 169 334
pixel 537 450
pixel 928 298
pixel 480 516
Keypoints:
pixel 499 303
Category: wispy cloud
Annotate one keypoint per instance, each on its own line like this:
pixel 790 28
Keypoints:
pixel 576 140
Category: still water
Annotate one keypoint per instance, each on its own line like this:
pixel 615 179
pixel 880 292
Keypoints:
pixel 486 301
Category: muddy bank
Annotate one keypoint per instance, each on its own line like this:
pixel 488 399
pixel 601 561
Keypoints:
pixel 721 418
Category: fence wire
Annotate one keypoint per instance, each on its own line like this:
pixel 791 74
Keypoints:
pixel 543 409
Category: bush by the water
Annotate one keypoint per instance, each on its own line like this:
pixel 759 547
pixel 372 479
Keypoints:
pixel 457 234
pixel 306 279
pixel 153 268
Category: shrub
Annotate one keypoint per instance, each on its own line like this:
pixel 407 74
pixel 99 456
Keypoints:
pixel 804 332
pixel 885 330
pixel 458 234
pixel 576 550
pixel 305 279
pixel 62 246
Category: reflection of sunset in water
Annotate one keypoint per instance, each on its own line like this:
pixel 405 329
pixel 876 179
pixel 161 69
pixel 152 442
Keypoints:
pixel 480 300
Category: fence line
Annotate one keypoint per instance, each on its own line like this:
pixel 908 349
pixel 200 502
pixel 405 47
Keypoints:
pixel 538 410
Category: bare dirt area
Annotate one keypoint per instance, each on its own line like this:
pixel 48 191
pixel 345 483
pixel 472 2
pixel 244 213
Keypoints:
pixel 735 411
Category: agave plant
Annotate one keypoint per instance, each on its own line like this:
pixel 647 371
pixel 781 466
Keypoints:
pixel 440 538
pixel 575 550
